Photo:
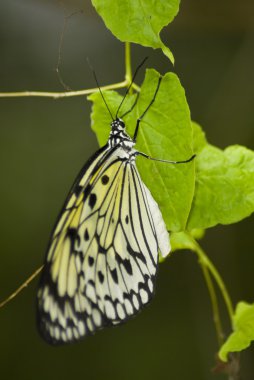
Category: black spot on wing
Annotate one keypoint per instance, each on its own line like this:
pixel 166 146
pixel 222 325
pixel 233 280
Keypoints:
pixel 104 179
pixel 87 191
pixel 92 200
pixel 70 322
pixel 90 261
pixel 127 266
pixel 78 240
pixel 86 235
pixel 101 277
pixel 114 275
pixel 82 273
pixel 72 233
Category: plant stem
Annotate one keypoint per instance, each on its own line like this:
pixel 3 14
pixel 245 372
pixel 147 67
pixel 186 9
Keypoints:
pixel 215 307
pixel 66 94
pixel 206 263
pixel 21 287
pixel 128 70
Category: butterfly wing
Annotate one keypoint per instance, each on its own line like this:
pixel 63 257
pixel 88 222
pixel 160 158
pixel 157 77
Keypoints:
pixel 102 258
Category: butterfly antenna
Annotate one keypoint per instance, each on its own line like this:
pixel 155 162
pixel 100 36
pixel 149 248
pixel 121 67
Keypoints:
pixel 128 89
pixel 96 80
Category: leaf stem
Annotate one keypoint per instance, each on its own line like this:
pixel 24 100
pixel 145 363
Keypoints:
pixel 215 307
pixel 128 70
pixel 206 263
pixel 21 287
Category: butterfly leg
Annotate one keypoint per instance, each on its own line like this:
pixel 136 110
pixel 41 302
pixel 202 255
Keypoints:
pixel 147 108
pixel 166 161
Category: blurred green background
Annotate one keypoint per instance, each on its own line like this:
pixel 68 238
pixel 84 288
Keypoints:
pixel 44 143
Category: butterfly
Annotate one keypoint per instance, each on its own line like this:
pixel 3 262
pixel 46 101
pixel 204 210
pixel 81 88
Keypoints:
pixel 102 256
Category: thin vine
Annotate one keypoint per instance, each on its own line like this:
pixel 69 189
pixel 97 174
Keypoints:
pixel 209 270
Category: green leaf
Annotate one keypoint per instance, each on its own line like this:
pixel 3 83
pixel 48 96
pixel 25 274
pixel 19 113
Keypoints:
pixel 138 21
pixel 224 190
pixel 165 133
pixel 243 330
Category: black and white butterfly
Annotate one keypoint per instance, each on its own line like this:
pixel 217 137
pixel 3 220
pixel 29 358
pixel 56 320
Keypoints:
pixel 102 257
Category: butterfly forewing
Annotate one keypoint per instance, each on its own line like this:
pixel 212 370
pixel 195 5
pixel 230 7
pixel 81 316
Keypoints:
pixel 102 257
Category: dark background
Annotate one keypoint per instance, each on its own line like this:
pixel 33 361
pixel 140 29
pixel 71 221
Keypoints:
pixel 43 144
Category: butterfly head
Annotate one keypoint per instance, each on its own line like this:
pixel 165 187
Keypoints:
pixel 117 126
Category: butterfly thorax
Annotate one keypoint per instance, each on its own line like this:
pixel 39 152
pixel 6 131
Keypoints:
pixel 118 136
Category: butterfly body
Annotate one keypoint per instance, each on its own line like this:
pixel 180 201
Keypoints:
pixel 118 136
pixel 102 257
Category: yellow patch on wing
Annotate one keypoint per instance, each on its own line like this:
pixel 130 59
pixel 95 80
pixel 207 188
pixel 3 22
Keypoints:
pixel 62 247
